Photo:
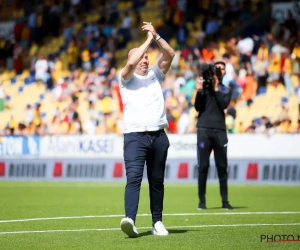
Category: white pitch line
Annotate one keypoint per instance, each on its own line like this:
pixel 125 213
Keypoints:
pixel 170 227
pixel 144 215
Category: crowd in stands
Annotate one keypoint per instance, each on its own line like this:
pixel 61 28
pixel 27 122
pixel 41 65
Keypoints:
pixel 77 83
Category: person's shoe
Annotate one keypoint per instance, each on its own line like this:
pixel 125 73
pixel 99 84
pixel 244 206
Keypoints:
pixel 227 206
pixel 159 229
pixel 202 206
pixel 128 227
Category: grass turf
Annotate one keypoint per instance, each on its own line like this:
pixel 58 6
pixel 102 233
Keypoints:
pixel 203 230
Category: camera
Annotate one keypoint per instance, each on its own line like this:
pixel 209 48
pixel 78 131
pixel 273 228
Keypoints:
pixel 208 71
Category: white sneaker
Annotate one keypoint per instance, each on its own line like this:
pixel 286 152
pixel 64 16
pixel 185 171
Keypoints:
pixel 159 229
pixel 128 227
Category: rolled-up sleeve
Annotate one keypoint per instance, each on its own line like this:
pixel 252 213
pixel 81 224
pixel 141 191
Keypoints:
pixel 123 82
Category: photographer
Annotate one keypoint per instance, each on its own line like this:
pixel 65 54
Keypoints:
pixel 211 100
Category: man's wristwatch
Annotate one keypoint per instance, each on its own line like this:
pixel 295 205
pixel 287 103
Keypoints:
pixel 157 37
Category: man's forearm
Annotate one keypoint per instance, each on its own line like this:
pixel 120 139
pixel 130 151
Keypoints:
pixel 223 99
pixel 199 100
pixel 165 48
pixel 139 53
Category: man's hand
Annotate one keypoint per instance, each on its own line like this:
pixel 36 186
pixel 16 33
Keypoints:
pixel 199 83
pixel 168 53
pixel 150 35
pixel 216 83
pixel 150 28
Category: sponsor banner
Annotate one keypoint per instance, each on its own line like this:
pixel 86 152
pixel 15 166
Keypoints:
pixel 239 146
pixel 280 10
pixel 183 146
pixel 27 169
pixel 81 146
pixel 177 171
pixel 19 146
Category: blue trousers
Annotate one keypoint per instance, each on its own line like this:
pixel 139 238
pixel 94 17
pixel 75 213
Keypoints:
pixel 208 139
pixel 150 148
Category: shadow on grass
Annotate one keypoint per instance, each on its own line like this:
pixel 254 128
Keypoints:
pixel 227 209
pixel 171 231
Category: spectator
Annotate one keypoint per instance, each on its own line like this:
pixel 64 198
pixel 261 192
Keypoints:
pixel 183 122
pixel 240 128
pixel 90 126
pixel 229 121
pixel 85 58
pixel 2 96
pixel 211 26
pixel 29 115
pixel 251 128
pixel 261 66
pixel 298 95
pixel 287 71
pixel 245 47
pixel 229 78
pixel 92 47
pixel 274 69
pixel 41 67
pixel 18 62
pixel 285 126
pixel 9 51
pixel 284 113
pixel 178 84
pixel 72 55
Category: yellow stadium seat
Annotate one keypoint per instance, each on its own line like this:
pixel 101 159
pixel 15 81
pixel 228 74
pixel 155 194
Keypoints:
pixel 293 100
pixel 6 82
pixel 280 90
pixel 274 113
pixel 62 105
pixel 11 90
pixel 83 106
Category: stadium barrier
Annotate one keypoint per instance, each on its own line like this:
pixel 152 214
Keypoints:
pixel 252 159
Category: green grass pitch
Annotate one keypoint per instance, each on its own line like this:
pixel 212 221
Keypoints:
pixel 189 228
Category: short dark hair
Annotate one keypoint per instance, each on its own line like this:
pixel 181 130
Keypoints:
pixel 220 62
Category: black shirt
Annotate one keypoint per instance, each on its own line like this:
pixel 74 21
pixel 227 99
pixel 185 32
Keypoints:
pixel 211 105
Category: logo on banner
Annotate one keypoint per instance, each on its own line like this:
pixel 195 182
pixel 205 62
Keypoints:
pixel 2 169
pixel 19 145
pixel 118 170
pixel 58 169
pixel 252 171
pixel 78 146
pixel 33 146
pixel 85 170
pixel 27 170
pixel 282 172
pixel 97 146
pixel 183 171
pixel 212 174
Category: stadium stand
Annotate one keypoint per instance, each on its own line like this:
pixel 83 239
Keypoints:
pixel 59 71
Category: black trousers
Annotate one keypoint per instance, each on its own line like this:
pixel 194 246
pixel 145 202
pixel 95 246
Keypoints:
pixel 208 140
pixel 152 148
